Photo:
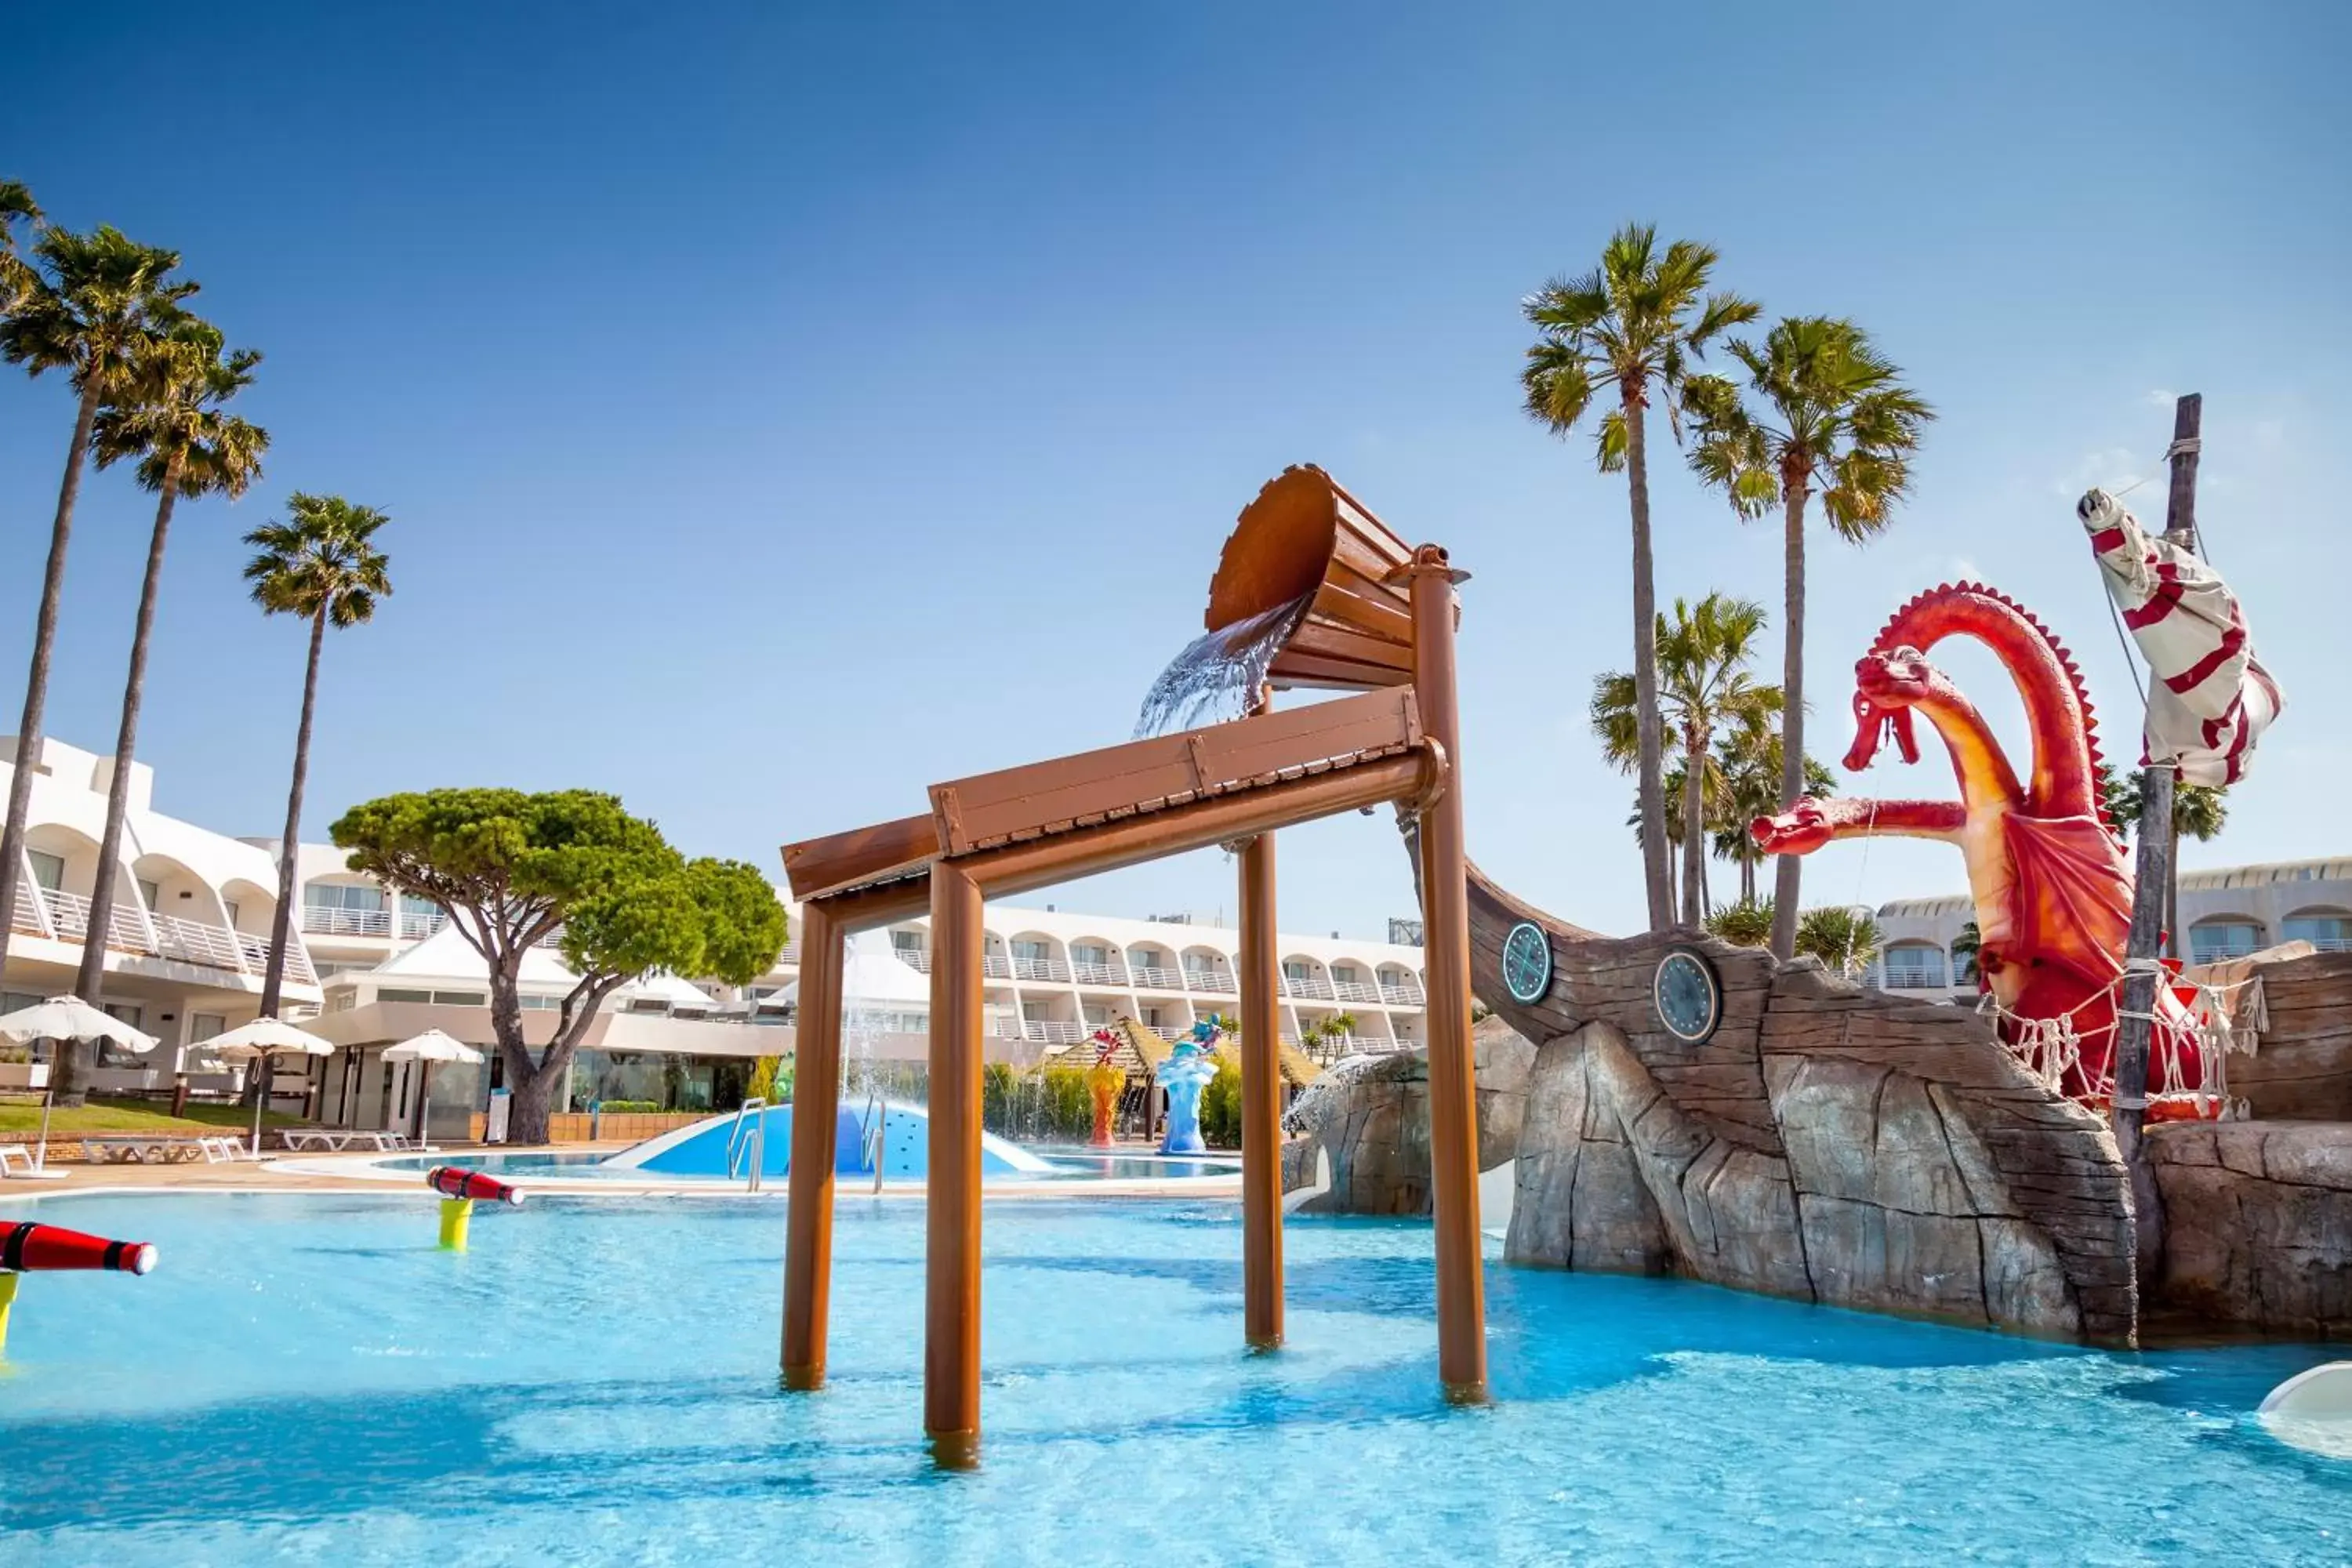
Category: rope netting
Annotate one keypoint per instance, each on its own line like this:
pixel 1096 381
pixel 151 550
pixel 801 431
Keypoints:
pixel 2216 1016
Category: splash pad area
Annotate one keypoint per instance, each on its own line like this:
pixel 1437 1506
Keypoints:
pixel 309 1378
pixel 597 1380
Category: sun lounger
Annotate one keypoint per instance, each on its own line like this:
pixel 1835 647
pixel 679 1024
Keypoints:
pixel 140 1148
pixel 18 1161
pixel 341 1140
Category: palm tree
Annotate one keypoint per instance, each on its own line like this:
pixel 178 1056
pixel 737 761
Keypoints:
pixel 1748 923
pixel 1844 939
pixel 1636 320
pixel 169 417
pixel 2198 812
pixel 1747 759
pixel 1965 947
pixel 319 565
pixel 96 300
pixel 1833 415
pixel 18 278
pixel 1702 656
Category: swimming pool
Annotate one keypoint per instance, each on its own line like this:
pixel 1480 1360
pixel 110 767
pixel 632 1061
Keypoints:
pixel 307 1379
pixel 1062 1163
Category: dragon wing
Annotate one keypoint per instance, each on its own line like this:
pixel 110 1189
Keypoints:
pixel 2073 895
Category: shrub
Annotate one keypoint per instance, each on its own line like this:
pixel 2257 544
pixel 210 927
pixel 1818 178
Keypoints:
pixel 1748 923
pixel 1221 1107
pixel 629 1107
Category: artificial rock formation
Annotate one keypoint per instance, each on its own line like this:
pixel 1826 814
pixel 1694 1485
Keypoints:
pixel 1369 1126
pixel 2258 1224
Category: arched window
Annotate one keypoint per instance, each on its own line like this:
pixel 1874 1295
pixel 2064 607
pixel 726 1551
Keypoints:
pixel 2329 931
pixel 2223 937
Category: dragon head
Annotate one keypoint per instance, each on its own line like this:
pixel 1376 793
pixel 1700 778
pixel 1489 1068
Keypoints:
pixel 1799 830
pixel 1886 682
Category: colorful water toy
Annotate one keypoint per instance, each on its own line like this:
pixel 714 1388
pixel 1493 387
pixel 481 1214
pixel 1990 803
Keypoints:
pixel 1185 1075
pixel 1105 1080
pixel 460 1189
pixel 28 1248
pixel 2052 888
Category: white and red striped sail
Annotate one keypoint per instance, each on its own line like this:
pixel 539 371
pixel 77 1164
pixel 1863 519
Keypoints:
pixel 2209 697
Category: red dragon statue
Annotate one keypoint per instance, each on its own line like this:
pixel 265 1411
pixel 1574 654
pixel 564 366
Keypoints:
pixel 2052 889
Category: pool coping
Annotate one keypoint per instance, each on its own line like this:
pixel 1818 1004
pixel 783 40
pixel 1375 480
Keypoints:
pixel 370 1172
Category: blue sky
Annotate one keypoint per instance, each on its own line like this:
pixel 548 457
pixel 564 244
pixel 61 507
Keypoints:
pixel 781 410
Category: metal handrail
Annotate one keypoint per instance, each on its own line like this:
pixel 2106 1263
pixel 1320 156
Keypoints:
pixel 756 1140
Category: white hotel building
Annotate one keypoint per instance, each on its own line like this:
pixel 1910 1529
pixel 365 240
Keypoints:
pixel 2228 912
pixel 190 932
pixel 192 926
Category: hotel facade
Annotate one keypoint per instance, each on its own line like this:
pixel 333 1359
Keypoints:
pixel 367 968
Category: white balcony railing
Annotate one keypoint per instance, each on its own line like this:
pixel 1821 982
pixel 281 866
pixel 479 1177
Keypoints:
pixel 327 920
pixel 1355 991
pixel 1049 1031
pixel 416 925
pixel 1040 969
pixel 915 958
pixel 1914 980
pixel 1098 973
pixel 1407 994
pixel 1216 981
pixel 1151 977
pixel 1312 987
pixel 134 929
pixel 996 966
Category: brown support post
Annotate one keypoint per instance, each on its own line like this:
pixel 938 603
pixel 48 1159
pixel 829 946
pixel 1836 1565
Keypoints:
pixel 951 1299
pixel 2152 875
pixel 1261 1098
pixel 1446 948
pixel 816 1106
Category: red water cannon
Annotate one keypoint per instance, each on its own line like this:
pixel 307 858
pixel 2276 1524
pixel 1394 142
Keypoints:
pixel 26 1248
pixel 453 1182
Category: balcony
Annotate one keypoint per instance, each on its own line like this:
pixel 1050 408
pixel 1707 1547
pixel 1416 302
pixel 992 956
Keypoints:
pixel 792 953
pixel 1213 981
pixel 1049 1031
pixel 996 966
pixel 1040 969
pixel 1100 974
pixel 1909 979
pixel 327 919
pixel 1151 977
pixel 915 958
pixel 1408 994
pixel 1355 991
pixel 1308 987
pixel 65 918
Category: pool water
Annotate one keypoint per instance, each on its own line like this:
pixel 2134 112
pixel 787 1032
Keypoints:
pixel 1064 1163
pixel 307 1379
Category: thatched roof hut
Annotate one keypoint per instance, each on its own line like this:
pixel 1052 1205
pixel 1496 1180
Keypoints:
pixel 1140 1052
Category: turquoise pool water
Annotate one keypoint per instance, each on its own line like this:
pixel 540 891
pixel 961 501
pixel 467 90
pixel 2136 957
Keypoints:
pixel 1063 1165
pixel 306 1380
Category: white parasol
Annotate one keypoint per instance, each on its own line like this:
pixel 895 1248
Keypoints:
pixel 66 1018
pixel 259 1041
pixel 426 1049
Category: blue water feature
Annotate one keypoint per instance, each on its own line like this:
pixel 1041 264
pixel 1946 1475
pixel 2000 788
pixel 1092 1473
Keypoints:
pixel 904 1152
pixel 308 1379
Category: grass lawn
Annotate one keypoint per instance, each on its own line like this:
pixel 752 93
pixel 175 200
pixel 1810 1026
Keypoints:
pixel 130 1116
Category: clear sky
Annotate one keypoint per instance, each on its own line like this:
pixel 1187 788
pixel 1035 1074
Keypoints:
pixel 782 408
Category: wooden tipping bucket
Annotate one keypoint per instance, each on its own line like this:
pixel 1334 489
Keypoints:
pixel 1304 534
